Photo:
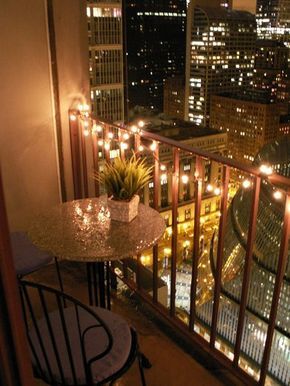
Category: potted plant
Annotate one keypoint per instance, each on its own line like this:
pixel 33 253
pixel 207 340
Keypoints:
pixel 123 179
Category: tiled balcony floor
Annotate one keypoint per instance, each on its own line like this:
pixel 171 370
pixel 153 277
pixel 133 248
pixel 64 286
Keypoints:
pixel 172 366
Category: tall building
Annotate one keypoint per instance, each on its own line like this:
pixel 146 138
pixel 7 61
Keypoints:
pixel 106 59
pixel 252 123
pixel 173 100
pixel 155 48
pixel 220 56
pixel 270 80
pixel 273 20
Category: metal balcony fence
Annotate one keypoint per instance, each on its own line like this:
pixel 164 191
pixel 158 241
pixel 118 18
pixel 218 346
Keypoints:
pixel 221 273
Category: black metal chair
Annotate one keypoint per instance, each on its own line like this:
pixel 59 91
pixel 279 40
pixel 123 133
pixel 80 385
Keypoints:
pixel 28 258
pixel 76 345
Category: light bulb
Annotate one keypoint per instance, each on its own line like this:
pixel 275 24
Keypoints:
pixel 100 142
pixel 86 132
pixel 126 136
pixel 162 167
pixel 141 123
pixel 124 145
pixel 141 148
pixel 209 188
pixel 277 195
pixel 107 146
pixel 134 129
pixel 153 146
pixel 72 117
pixel 246 184
pixel 110 135
pixel 185 178
pixel 217 191
pixel 266 169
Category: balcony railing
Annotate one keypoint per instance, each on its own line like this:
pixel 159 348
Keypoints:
pixel 213 276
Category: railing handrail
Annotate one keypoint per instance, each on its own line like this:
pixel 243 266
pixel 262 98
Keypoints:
pixel 250 169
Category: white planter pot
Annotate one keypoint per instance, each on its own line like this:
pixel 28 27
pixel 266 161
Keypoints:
pixel 124 211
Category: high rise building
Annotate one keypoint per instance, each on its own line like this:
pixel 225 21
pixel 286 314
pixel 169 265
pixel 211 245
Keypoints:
pixel 173 101
pixel 155 48
pixel 106 59
pixel 270 80
pixel 252 123
pixel 273 20
pixel 220 56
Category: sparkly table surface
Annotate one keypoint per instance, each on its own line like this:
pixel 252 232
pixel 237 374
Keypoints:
pixel 82 230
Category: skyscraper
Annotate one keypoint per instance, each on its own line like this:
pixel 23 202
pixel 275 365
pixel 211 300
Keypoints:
pixel 220 56
pixel 155 48
pixel 273 20
pixel 106 59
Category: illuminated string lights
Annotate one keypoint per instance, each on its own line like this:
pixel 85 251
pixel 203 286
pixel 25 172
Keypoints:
pixel 110 135
pixel 209 188
pixel 153 146
pixel 277 195
pixel 246 184
pixel 124 146
pixel 162 167
pixel 266 169
pixel 217 191
pixel 140 147
pixel 73 117
pixel 185 179
pixel 126 136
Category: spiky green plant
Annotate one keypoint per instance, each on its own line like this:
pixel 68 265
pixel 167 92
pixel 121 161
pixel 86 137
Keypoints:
pixel 123 178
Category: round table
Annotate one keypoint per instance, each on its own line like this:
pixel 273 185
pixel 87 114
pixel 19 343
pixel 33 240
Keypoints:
pixel 82 230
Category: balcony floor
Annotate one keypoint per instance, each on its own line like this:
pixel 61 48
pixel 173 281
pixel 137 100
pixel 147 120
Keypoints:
pixel 172 366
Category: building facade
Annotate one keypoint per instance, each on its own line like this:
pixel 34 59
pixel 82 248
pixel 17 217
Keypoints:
pixel 220 56
pixel 273 20
pixel 173 99
pixel 155 48
pixel 249 124
pixel 106 59
pixel 271 73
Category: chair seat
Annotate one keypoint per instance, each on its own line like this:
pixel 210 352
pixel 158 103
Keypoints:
pixel 27 258
pixel 95 343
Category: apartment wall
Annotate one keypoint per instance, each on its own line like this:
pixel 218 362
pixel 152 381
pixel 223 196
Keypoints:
pixel 28 141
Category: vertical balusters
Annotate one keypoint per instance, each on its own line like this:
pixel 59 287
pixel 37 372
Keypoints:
pixel 195 255
pixel 175 189
pixel 155 205
pixel 221 237
pixel 247 268
pixel 282 263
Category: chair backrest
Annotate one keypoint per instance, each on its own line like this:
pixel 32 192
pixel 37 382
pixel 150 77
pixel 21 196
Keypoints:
pixel 58 329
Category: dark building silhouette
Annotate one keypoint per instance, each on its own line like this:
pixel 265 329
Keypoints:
pixel 155 38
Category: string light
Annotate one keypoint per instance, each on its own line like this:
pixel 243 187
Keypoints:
pixel 73 117
pixel 141 148
pixel 277 195
pixel 246 184
pixel 162 167
pixel 107 146
pixel 110 135
pixel 141 123
pixel 153 146
pixel 86 123
pixel 217 191
pixel 126 136
pixel 163 177
pixel 209 188
pixel 134 129
pixel 185 178
pixel 124 145
pixel 97 128
pixel 266 169
pixel 86 132
pixel 80 107
pixel 86 107
pixel 100 142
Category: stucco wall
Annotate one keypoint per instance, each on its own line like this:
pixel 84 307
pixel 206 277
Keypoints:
pixel 28 148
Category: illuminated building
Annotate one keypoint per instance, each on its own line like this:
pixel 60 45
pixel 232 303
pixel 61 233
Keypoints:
pixel 106 59
pixel 155 48
pixel 173 100
pixel 198 137
pixel 252 123
pixel 220 56
pixel 264 267
pixel 273 20
pixel 271 74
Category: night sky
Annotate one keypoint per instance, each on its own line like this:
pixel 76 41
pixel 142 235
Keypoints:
pixel 248 5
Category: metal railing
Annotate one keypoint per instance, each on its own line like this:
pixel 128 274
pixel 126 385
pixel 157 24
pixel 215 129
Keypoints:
pixel 254 346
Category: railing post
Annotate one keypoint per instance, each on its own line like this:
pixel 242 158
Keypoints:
pixel 195 255
pixel 282 263
pixel 84 163
pixel 247 267
pixel 156 207
pixel 219 262
pixel 95 148
pixel 175 188
pixel 75 152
